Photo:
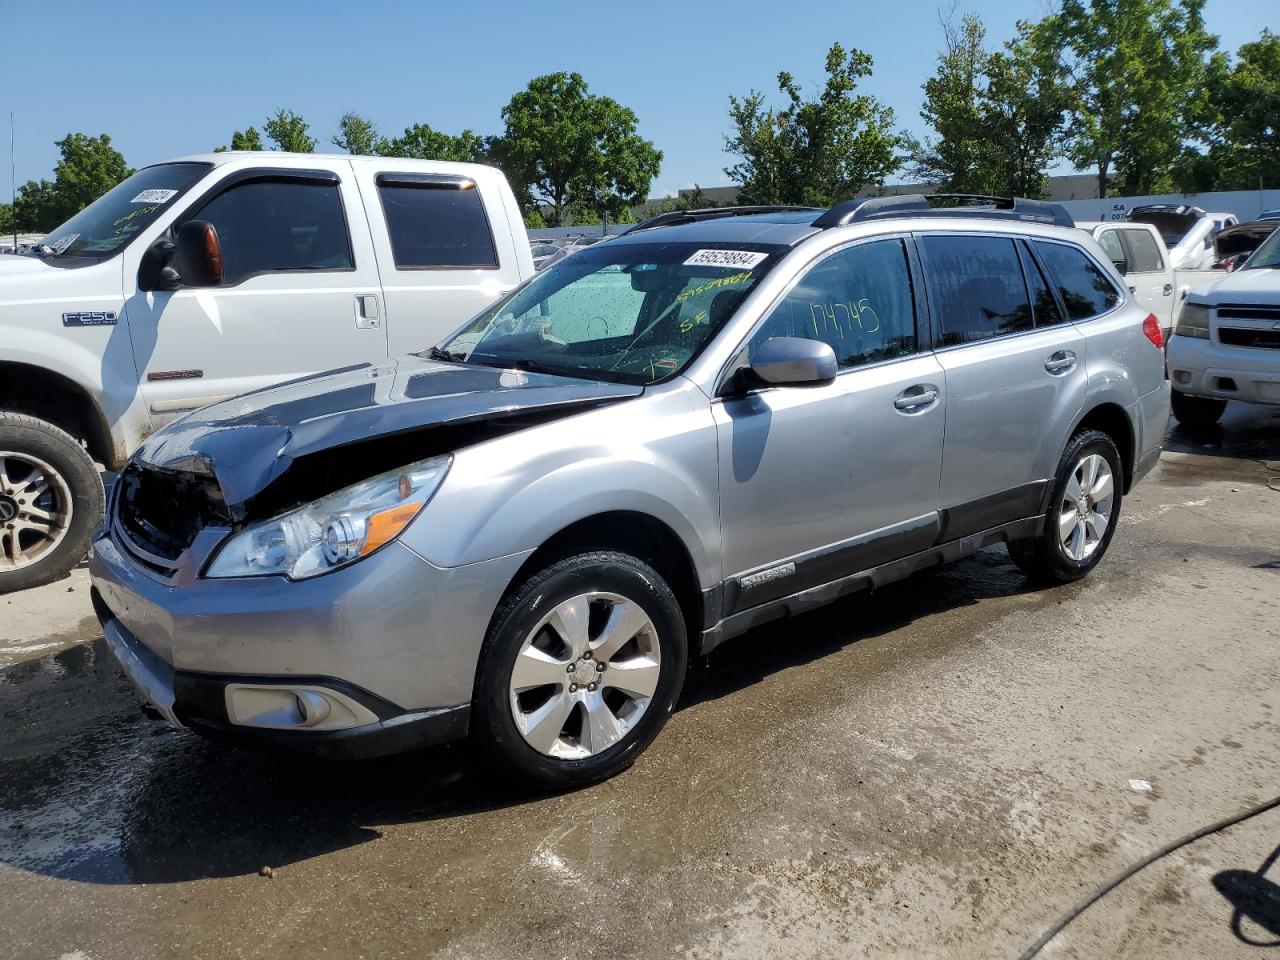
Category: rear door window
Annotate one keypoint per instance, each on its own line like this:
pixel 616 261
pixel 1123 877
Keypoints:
pixel 1084 288
pixel 978 286
pixel 268 226
pixel 436 226
pixel 1109 241
pixel 1144 255
pixel 1045 307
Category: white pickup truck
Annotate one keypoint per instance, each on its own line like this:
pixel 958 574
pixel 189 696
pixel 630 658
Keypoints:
pixel 1138 251
pixel 209 276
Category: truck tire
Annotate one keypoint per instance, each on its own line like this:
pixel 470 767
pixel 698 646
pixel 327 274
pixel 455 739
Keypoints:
pixel 51 501
pixel 1197 411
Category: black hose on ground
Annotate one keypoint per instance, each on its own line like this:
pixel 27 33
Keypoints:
pixel 1129 871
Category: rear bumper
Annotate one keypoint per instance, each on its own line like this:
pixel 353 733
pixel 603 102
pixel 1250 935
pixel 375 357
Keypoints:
pixel 201 703
pixel 1151 417
pixel 1205 368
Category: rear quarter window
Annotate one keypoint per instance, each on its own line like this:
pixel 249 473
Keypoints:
pixel 1085 289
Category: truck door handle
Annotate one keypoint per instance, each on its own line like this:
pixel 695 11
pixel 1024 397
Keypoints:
pixel 1168 289
pixel 1060 362
pixel 368 316
pixel 1133 289
pixel 912 398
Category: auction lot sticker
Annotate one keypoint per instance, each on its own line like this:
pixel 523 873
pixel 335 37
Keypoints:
pixel 155 196
pixel 732 259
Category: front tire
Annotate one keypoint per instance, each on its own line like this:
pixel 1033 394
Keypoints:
pixel 1197 411
pixel 51 500
pixel 582 666
pixel 1084 508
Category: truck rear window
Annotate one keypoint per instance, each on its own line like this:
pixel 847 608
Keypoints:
pixel 437 225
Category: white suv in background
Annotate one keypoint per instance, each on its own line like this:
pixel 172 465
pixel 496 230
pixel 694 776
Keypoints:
pixel 1226 345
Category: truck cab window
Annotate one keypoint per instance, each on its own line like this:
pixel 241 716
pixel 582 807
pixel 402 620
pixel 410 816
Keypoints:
pixel 269 226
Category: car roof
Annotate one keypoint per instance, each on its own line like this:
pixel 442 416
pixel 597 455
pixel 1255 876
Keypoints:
pixel 781 228
pixel 221 157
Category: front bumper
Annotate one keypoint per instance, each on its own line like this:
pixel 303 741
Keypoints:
pixel 387 647
pixel 1206 368
pixel 201 702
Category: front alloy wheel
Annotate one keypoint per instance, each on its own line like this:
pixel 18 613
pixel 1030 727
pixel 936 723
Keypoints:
pixel 585 675
pixel 35 509
pixel 582 666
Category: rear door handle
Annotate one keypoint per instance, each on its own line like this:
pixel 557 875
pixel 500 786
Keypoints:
pixel 1060 362
pixel 368 316
pixel 1168 289
pixel 914 398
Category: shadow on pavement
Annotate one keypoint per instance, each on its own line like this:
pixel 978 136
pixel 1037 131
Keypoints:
pixel 1255 899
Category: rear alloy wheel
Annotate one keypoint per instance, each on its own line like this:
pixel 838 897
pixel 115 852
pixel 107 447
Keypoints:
pixel 50 501
pixel 582 666
pixel 1084 506
pixel 1196 411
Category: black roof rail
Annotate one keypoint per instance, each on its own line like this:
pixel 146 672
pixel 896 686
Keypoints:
pixel 955 205
pixel 713 213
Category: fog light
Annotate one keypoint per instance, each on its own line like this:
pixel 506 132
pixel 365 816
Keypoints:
pixel 313 708
pixel 1182 376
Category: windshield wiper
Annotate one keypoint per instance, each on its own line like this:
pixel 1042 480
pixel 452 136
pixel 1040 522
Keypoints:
pixel 445 356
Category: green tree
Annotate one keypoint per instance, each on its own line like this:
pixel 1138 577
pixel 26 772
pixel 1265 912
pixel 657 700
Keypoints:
pixel 249 139
pixel 998 116
pixel 356 135
pixel 1137 70
pixel 813 151
pixel 1242 123
pixel 88 168
pixel 290 132
pixel 423 142
pixel 567 148
pixel 959 159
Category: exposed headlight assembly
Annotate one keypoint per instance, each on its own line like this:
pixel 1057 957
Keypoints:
pixel 1193 321
pixel 334 531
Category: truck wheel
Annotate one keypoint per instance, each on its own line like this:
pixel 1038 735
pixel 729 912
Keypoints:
pixel 581 668
pixel 1197 411
pixel 50 502
pixel 1082 514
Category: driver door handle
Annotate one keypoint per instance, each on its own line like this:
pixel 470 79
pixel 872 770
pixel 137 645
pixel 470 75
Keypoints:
pixel 368 316
pixel 1063 361
pixel 913 398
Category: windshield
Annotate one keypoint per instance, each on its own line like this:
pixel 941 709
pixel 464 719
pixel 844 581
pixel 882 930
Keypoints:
pixel 1267 255
pixel 110 222
pixel 625 312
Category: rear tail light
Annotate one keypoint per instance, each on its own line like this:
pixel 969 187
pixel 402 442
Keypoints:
pixel 1151 327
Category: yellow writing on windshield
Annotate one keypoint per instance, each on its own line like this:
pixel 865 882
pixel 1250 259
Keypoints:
pixel 713 285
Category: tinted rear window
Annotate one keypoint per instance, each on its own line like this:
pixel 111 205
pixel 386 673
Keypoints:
pixel 1084 288
pixel 979 287
pixel 434 226
pixel 1146 255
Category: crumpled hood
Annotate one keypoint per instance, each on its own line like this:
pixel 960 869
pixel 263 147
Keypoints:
pixel 247 442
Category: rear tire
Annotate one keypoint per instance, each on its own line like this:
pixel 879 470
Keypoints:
pixel 1084 507
pixel 547 711
pixel 51 501
pixel 1197 411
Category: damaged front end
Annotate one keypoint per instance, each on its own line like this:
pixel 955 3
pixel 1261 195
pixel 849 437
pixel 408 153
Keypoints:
pixel 325 468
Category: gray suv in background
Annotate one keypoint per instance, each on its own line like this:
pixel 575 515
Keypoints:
pixel 720 418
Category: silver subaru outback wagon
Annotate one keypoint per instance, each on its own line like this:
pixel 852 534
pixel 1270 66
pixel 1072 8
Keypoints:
pixel 525 532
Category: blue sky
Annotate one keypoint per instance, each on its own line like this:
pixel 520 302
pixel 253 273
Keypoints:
pixel 165 79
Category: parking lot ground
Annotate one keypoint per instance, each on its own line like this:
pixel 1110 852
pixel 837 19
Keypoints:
pixel 939 769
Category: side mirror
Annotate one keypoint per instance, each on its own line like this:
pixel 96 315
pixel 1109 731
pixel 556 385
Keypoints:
pixel 794 361
pixel 197 255
pixel 1122 266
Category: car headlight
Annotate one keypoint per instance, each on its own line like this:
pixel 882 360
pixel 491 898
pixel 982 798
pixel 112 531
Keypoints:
pixel 334 531
pixel 1193 321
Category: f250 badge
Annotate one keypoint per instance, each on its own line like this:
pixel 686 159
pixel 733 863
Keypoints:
pixel 89 318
